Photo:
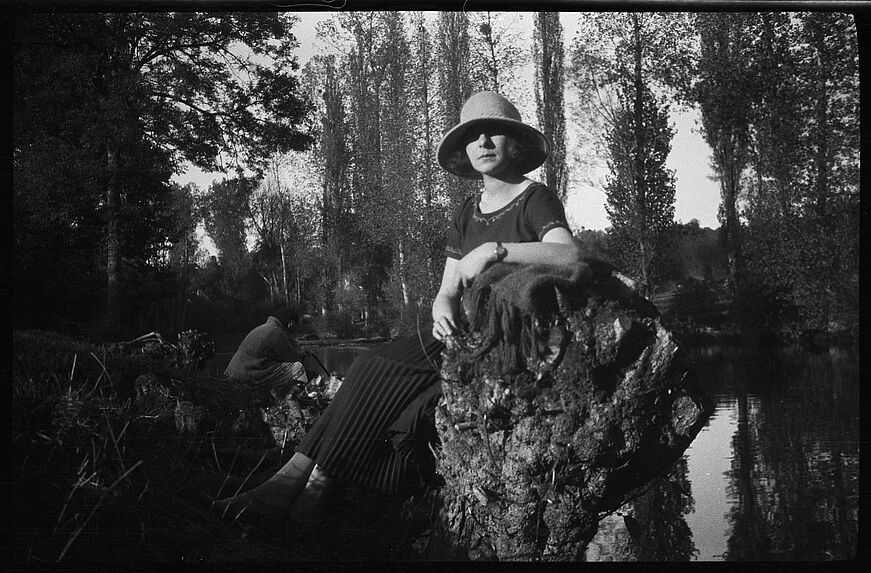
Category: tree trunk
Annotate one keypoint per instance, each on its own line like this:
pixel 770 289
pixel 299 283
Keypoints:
pixel 730 182
pixel 284 274
pixel 554 412
pixel 494 63
pixel 640 143
pixel 113 242
pixel 403 272
pixel 821 129
pixel 549 96
pixel 183 302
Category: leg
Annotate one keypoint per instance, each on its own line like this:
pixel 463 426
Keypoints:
pixel 307 508
pixel 284 377
pixel 351 440
pixel 273 498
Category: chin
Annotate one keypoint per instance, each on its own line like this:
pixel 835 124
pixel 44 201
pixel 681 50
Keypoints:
pixel 505 174
pixel 493 169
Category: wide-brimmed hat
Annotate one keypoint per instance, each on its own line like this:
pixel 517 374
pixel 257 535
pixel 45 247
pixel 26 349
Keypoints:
pixel 490 107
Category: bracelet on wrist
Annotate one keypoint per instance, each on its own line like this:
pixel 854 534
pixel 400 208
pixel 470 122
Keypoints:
pixel 500 251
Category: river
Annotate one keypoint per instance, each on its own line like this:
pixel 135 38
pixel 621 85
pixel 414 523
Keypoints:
pixel 774 475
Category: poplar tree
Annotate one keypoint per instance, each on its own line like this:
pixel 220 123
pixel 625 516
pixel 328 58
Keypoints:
pixel 455 87
pixel 398 206
pixel 549 87
pixel 802 209
pixel 432 215
pixel 829 290
pixel 620 64
pixel 332 155
pixel 723 92
pixel 365 85
pixel 639 189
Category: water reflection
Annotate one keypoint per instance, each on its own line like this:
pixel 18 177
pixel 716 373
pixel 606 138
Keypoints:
pixel 336 358
pixel 774 475
pixel 793 479
pixel 662 533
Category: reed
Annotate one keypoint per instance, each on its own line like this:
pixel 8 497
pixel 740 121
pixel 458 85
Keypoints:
pixel 101 475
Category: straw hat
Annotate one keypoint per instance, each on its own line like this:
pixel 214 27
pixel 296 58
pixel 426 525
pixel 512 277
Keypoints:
pixel 490 107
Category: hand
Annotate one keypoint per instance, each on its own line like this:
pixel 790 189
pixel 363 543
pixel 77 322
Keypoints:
pixel 474 263
pixel 443 328
pixel 444 315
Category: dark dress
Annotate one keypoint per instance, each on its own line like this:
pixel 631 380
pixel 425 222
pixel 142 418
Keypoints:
pixel 376 429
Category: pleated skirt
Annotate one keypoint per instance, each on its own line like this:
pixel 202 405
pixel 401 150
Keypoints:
pixel 373 430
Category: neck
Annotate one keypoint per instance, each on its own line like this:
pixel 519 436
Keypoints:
pixel 501 185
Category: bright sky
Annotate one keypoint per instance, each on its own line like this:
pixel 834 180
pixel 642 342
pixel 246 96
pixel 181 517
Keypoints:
pixel 696 197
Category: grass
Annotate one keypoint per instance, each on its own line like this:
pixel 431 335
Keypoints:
pixel 100 472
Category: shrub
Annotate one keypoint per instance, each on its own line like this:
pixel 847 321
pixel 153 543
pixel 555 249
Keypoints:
pixel 765 308
pixel 697 303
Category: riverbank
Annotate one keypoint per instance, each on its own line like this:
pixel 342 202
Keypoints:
pixel 117 454
pixel 811 340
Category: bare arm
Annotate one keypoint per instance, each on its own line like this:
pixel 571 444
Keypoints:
pixel 446 306
pixel 557 247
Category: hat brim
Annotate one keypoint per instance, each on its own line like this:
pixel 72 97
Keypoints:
pixel 536 147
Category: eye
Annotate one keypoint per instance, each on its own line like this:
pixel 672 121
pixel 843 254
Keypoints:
pixel 473 135
pixel 488 131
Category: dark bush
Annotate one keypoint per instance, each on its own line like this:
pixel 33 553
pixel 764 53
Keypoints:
pixel 764 308
pixel 698 303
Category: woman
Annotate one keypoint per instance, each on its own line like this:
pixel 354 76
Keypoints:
pixel 375 432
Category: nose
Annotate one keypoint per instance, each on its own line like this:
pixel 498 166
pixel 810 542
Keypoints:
pixel 483 139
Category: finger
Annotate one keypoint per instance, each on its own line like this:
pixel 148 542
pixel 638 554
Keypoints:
pixel 440 330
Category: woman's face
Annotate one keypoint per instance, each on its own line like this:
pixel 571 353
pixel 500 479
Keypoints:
pixel 492 149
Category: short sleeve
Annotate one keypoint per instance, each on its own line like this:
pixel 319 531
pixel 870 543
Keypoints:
pixel 544 211
pixel 454 247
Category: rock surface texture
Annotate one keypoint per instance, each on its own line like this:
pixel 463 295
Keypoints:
pixel 566 396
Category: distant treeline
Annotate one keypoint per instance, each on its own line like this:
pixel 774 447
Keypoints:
pixel 333 201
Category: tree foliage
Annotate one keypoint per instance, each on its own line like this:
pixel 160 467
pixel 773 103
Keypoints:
pixel 723 91
pixel 802 207
pixel 455 87
pixel 153 89
pixel 495 49
pixel 225 211
pixel 640 189
pixel 346 208
pixel 286 228
pixel 618 64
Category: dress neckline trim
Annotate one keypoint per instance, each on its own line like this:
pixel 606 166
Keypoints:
pixel 493 216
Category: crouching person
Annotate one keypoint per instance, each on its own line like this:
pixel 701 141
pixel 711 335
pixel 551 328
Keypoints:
pixel 268 358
